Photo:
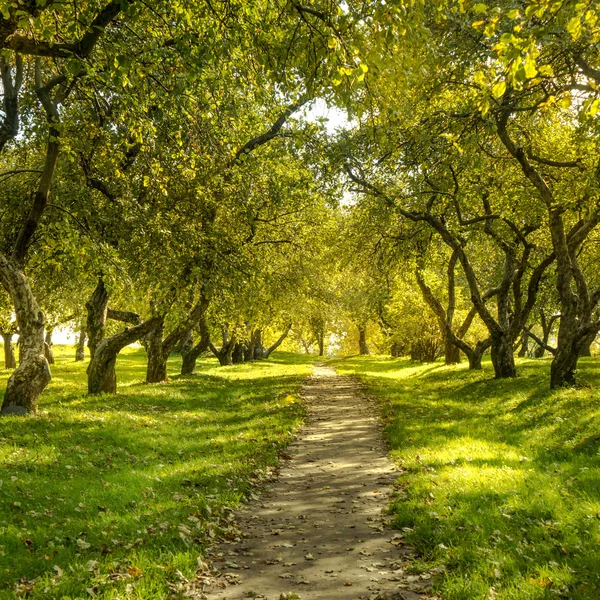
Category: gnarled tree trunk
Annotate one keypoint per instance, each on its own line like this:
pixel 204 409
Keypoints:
pixel 101 370
pixel 33 374
pixel 188 365
pixel 159 350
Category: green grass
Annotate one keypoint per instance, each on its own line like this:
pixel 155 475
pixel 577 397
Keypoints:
pixel 500 480
pixel 117 496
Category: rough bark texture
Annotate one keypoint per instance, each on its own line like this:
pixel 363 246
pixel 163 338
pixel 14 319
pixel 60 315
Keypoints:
pixel 10 362
pixel 33 374
pixel 362 340
pixel 101 370
pixel 156 370
pixel 97 309
pixel 503 357
pixel 80 349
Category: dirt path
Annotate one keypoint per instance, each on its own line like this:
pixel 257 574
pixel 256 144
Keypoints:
pixel 319 532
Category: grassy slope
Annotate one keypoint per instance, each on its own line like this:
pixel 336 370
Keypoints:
pixel 137 482
pixel 501 479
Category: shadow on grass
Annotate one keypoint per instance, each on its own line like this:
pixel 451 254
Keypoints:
pixel 136 482
pixel 501 478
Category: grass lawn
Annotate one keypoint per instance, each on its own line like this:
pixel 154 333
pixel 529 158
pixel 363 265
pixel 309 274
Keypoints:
pixel 501 479
pixel 116 496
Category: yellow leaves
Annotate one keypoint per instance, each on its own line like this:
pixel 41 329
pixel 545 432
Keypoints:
pixel 479 78
pixel 490 29
pixel 478 24
pixel 565 101
pixel 530 68
pixel 546 70
pixel 498 89
pixel 594 107
pixel 574 28
pixel 332 43
pixel 480 8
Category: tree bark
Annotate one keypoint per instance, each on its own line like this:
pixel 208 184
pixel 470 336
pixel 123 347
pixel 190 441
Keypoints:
pixel 48 351
pixel 80 349
pixel 188 366
pixel 33 374
pixel 224 355
pixel 503 357
pixel 524 349
pixel 451 352
pixel 97 309
pixel 237 355
pixel 159 350
pixel 362 340
pixel 156 370
pixel 10 362
pixel 101 370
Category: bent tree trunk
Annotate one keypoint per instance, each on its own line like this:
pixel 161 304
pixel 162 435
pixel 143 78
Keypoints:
pixel 159 350
pixel 268 351
pixel 80 349
pixel 10 362
pixel 188 365
pixel 33 374
pixel 362 340
pixel 101 370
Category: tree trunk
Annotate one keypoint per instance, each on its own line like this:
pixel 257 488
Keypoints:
pixel 97 308
pixel 321 343
pixel 362 340
pixel 33 374
pixel 564 364
pixel 524 349
pixel 10 361
pixel 503 357
pixel 156 370
pixel 254 350
pixel 101 370
pixel 237 356
pixel 188 366
pixel 80 349
pixel 268 351
pixel 48 352
pixel 586 345
pixel 451 352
